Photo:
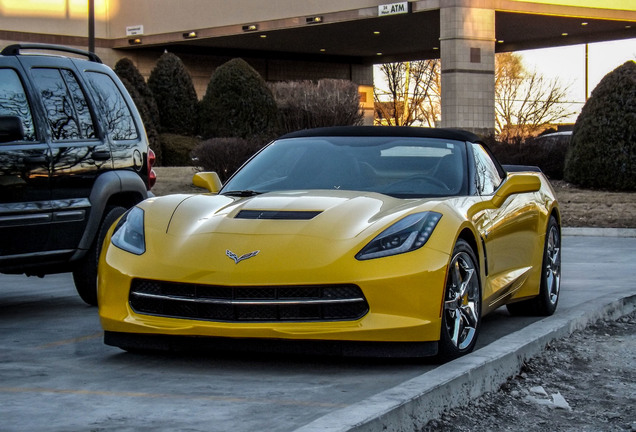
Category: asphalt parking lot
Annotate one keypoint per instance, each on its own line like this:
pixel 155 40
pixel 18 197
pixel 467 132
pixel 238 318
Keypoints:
pixel 57 375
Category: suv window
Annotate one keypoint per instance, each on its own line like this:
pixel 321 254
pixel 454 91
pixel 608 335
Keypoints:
pixel 65 104
pixel 119 120
pixel 13 101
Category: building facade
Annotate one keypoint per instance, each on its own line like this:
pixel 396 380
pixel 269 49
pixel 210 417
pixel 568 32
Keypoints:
pixel 293 40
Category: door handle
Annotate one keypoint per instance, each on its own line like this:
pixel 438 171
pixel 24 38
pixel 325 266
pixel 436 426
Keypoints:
pixel 100 155
pixel 36 160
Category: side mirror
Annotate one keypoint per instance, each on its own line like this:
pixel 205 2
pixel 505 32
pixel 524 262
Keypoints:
pixel 207 180
pixel 11 129
pixel 516 183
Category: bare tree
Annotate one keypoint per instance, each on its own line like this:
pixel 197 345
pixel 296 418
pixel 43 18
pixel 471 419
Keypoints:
pixel 525 102
pixel 411 95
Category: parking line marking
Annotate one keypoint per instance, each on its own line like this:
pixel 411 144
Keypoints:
pixel 70 341
pixel 168 396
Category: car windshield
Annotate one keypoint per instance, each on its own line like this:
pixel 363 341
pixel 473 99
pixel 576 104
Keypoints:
pixel 403 167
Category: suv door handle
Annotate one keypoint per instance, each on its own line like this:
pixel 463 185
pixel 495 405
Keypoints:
pixel 36 160
pixel 100 155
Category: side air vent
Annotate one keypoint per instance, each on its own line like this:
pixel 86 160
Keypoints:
pixel 277 214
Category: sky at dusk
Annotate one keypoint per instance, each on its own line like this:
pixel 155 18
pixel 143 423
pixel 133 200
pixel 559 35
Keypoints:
pixel 568 65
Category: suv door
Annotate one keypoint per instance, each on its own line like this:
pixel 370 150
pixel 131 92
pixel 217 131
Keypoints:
pixel 79 149
pixel 25 207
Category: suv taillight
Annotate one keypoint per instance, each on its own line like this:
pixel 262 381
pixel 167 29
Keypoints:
pixel 152 175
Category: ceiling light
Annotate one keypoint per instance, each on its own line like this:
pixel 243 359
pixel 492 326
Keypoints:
pixel 190 35
pixel 378 54
pixel 500 41
pixel 435 48
pixel 564 34
pixel 250 27
pixel 313 20
pixel 135 41
pixel 584 23
pixel 263 36
pixel 322 50
pixel 376 32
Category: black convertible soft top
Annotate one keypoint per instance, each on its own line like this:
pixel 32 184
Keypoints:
pixel 387 131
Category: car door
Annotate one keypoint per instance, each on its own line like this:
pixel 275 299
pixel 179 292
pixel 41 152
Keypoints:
pixel 509 233
pixel 25 206
pixel 79 151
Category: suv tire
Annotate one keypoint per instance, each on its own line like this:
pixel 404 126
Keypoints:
pixel 85 273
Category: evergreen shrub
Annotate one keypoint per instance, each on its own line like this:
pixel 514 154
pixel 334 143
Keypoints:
pixel 172 87
pixel 237 103
pixel 602 153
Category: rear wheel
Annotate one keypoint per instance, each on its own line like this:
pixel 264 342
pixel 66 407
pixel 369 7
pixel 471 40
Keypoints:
pixel 546 302
pixel 461 316
pixel 85 273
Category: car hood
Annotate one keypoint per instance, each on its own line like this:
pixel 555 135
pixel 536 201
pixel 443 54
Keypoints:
pixel 324 214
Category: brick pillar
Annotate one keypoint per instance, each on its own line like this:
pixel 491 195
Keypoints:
pixel 467 44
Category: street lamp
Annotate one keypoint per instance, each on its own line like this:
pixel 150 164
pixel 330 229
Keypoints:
pixel 91 26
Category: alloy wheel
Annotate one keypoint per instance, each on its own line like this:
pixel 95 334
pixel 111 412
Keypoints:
pixel 461 304
pixel 552 272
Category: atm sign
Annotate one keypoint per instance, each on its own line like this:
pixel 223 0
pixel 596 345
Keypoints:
pixel 393 8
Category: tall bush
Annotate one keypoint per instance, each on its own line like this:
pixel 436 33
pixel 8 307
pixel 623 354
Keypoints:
pixel 172 87
pixel 144 100
pixel 126 69
pixel 237 103
pixel 602 153
pixel 305 104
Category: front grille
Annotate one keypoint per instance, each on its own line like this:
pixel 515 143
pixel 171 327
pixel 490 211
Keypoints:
pixel 254 303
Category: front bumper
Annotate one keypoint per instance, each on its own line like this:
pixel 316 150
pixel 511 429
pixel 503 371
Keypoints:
pixel 404 294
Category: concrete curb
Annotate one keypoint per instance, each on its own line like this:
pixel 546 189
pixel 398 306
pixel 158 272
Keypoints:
pixel 599 232
pixel 412 404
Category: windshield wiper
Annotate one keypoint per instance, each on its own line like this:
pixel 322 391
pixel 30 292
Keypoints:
pixel 242 193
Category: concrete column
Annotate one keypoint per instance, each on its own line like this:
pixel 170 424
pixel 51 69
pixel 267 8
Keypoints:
pixel 467 44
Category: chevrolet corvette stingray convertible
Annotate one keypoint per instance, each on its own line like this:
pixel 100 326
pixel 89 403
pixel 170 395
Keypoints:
pixel 347 240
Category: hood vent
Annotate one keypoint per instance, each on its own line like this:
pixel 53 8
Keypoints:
pixel 277 214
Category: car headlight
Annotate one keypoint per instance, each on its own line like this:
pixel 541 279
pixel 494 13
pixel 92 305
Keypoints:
pixel 405 235
pixel 129 232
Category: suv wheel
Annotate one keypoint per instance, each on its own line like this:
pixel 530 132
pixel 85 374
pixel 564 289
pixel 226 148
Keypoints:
pixel 85 273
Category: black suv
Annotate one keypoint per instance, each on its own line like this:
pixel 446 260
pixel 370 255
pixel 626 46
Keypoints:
pixel 73 157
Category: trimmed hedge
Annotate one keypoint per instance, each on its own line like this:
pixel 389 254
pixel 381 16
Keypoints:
pixel 225 155
pixel 237 103
pixel 177 149
pixel 126 69
pixel 174 93
pixel 603 149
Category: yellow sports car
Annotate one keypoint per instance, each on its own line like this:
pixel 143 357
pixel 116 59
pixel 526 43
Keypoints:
pixel 346 240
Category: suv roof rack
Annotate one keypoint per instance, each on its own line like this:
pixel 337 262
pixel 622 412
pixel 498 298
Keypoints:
pixel 13 50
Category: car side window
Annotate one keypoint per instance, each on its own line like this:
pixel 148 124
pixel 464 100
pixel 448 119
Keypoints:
pixel 487 175
pixel 13 101
pixel 65 105
pixel 119 120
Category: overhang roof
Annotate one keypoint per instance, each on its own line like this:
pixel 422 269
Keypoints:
pixel 361 36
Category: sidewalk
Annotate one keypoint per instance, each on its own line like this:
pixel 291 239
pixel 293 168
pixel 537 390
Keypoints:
pixel 608 291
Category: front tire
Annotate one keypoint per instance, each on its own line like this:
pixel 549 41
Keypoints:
pixel 461 315
pixel 85 273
